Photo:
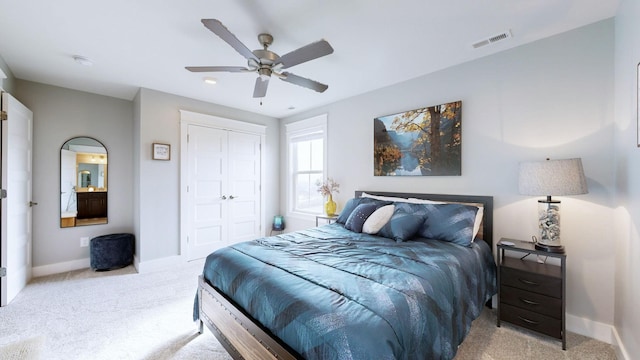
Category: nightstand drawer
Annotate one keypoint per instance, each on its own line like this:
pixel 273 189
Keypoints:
pixel 531 320
pixel 527 300
pixel 540 284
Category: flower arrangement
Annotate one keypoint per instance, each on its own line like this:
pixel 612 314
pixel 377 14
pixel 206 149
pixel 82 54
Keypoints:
pixel 328 187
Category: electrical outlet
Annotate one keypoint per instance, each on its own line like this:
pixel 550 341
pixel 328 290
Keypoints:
pixel 84 241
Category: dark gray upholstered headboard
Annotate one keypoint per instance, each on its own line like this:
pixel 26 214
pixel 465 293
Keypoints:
pixel 486 201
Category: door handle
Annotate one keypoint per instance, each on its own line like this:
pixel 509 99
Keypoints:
pixel 232 197
pixel 223 197
pixel 32 204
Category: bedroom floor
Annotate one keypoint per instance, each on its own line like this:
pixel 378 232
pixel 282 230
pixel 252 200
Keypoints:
pixel 124 315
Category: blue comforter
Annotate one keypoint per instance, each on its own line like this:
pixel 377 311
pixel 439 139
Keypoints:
pixel 330 293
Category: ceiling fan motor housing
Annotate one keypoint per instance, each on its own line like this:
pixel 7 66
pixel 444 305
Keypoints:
pixel 266 57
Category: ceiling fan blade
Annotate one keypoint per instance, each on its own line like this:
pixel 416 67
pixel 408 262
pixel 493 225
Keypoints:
pixel 304 82
pixel 260 89
pixel 217 28
pixel 217 68
pixel 305 53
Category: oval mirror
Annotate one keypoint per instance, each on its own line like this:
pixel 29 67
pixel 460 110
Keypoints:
pixel 83 182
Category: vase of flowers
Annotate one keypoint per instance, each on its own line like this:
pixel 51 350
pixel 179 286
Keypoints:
pixel 327 189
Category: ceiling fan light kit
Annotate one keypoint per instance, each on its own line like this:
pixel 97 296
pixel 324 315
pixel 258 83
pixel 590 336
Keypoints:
pixel 266 62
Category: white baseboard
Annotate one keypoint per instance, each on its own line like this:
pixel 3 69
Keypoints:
pixel 60 267
pixel 593 329
pixel 156 264
pixel 618 346
pixel 146 266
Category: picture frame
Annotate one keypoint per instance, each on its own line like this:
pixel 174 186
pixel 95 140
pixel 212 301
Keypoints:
pixel 420 142
pixel 161 151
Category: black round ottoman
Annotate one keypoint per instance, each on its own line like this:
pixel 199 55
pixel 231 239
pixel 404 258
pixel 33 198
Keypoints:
pixel 111 251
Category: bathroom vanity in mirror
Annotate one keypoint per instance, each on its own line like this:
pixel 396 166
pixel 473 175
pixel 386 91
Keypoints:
pixel 83 182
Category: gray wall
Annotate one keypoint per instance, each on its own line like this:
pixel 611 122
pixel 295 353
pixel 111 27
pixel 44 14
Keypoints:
pixel 143 194
pixel 157 196
pixel 626 229
pixel 58 115
pixel 552 98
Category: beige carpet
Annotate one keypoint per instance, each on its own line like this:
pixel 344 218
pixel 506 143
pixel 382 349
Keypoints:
pixel 124 315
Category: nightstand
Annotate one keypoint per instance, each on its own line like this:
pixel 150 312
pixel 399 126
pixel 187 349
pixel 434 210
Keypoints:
pixel 532 294
pixel 328 219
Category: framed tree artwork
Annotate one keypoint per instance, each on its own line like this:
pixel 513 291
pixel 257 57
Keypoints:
pixel 420 142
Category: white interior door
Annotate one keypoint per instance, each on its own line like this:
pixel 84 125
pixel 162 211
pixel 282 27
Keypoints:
pixel 207 163
pixel 244 186
pixel 223 197
pixel 15 209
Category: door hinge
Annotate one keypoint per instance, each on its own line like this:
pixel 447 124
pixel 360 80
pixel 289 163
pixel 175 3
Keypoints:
pixel 3 115
pixel 3 193
pixel 3 272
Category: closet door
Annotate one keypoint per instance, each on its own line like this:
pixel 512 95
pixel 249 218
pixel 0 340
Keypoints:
pixel 224 200
pixel 208 190
pixel 244 186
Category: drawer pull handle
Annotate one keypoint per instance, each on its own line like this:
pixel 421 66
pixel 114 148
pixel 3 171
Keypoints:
pixel 531 322
pixel 528 282
pixel 529 302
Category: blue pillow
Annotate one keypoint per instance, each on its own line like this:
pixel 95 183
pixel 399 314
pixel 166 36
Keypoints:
pixel 348 209
pixel 449 222
pixel 416 209
pixel 351 205
pixel 359 216
pixel 403 225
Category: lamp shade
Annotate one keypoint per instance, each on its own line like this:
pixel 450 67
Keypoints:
pixel 552 177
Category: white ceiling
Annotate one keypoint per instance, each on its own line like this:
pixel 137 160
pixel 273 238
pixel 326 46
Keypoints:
pixel 147 43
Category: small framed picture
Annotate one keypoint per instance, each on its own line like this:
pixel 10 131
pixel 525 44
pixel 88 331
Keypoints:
pixel 161 151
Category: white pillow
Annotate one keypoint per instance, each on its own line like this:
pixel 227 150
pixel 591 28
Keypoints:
pixel 477 222
pixel 383 198
pixel 378 219
pixel 423 201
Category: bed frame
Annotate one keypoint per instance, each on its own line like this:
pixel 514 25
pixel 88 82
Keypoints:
pixel 244 338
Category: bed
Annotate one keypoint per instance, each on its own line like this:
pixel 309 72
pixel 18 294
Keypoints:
pixel 333 292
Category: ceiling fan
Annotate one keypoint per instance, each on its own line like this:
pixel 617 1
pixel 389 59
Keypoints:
pixel 266 62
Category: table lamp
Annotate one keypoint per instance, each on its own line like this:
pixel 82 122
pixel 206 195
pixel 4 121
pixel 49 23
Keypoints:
pixel 551 178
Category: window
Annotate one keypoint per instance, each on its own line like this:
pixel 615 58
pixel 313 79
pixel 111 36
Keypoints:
pixel 306 159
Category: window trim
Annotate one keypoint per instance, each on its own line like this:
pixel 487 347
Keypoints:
pixel 307 127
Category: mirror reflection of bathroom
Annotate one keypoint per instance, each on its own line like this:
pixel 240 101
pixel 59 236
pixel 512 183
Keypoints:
pixel 83 182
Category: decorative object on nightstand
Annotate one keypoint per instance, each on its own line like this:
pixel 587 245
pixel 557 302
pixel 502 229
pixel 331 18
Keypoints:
pixel 277 225
pixel 551 177
pixel 327 189
pixel 531 294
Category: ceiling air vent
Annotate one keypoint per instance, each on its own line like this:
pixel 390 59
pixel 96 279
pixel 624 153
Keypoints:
pixel 492 39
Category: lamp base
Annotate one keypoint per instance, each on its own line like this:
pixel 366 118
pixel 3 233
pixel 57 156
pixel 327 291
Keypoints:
pixel 559 249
